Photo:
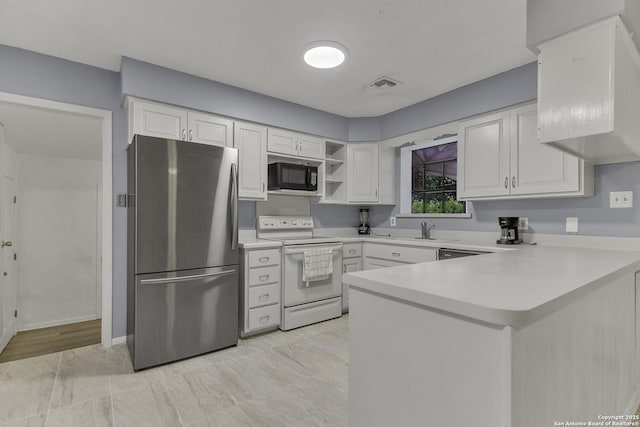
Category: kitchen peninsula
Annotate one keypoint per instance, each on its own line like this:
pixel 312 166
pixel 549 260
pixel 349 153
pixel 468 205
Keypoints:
pixel 522 338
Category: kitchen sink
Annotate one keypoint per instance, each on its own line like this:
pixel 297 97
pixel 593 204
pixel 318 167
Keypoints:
pixel 413 239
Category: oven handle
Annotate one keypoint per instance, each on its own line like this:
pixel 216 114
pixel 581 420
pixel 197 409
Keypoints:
pixel 292 251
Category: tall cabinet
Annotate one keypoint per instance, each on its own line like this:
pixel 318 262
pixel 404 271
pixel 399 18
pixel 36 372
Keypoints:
pixel 251 142
pixel 362 172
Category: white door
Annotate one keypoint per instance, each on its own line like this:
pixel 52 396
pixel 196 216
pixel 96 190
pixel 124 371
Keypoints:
pixel 310 146
pixel 483 156
pixel 282 141
pixel 161 121
pixel 209 129
pixel 8 283
pixel 537 168
pixel 251 142
pixel 362 172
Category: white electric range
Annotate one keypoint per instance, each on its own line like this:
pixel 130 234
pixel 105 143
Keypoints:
pixel 304 302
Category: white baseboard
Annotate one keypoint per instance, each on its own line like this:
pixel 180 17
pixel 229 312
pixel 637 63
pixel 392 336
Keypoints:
pixel 56 323
pixel 119 340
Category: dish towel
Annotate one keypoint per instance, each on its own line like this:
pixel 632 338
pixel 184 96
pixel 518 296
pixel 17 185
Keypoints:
pixel 317 264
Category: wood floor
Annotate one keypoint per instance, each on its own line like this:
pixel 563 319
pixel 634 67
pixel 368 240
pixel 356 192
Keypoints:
pixel 50 340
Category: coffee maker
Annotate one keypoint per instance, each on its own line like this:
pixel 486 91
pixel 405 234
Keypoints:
pixel 508 230
pixel 364 228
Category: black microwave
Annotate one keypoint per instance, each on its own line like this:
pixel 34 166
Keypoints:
pixel 289 176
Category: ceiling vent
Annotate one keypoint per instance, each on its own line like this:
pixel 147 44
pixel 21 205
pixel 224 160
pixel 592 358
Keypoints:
pixel 384 83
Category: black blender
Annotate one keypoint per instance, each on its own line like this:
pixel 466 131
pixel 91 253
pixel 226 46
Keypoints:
pixel 364 228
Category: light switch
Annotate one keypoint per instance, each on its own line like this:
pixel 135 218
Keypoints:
pixel 572 224
pixel 523 223
pixel 392 221
pixel 621 199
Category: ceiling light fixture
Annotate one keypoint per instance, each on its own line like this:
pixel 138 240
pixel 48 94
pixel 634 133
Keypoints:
pixel 324 54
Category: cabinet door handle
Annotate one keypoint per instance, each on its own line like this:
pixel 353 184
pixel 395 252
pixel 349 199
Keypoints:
pixel 513 181
pixel 344 268
pixel 396 254
pixel 263 298
pixel 264 319
pixel 263 187
pixel 190 134
pixel 263 259
pixel 264 277
pixel 352 251
pixel 506 182
pixel 184 134
pixel 376 192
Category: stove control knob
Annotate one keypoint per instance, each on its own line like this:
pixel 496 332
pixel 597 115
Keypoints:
pixel 295 222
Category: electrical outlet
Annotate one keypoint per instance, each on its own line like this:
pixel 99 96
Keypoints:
pixel 621 199
pixel 572 224
pixel 523 223
pixel 392 221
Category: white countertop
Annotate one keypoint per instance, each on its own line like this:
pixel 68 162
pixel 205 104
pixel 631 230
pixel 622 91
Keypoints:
pixel 510 287
pixel 254 243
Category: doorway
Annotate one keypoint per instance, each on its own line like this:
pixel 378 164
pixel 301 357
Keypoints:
pixel 73 149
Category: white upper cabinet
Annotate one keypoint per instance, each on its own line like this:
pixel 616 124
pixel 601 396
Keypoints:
pixel 251 142
pixel 537 168
pixel 295 144
pixel 164 121
pixel 209 129
pixel 362 173
pixel 499 156
pixel 483 156
pixel 589 93
pixel 151 119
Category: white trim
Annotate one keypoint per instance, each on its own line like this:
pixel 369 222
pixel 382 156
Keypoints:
pixel 107 205
pixel 59 322
pixel 434 215
pixel 119 340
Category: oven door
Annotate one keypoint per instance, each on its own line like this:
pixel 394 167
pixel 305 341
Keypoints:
pixel 295 291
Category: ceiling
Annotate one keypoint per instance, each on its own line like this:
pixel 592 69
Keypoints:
pixel 429 46
pixel 46 132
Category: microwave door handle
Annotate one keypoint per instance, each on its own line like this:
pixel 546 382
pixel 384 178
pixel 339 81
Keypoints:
pixel 308 178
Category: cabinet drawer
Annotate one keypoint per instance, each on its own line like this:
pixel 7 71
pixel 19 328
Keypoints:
pixel 406 254
pixel 264 317
pixel 264 295
pixel 264 258
pixel 264 276
pixel 350 250
pixel 373 263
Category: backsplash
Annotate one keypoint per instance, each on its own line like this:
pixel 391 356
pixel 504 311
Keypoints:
pixel 547 215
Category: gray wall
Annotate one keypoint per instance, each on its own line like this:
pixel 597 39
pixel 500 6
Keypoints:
pixel 162 84
pixel 502 90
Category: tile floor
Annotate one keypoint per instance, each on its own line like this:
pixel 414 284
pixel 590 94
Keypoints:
pixel 295 378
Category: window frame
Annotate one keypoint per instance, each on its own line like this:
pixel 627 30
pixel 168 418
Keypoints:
pixel 406 179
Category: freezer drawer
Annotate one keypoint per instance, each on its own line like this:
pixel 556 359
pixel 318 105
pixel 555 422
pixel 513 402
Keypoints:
pixel 183 314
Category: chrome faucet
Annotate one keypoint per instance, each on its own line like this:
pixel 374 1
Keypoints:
pixel 426 230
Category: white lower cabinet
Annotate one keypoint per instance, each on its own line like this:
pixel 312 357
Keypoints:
pixel 351 262
pixel 380 255
pixel 260 290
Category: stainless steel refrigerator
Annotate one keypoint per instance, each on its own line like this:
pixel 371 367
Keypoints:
pixel 182 285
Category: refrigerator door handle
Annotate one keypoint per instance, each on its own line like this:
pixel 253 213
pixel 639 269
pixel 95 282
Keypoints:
pixel 234 205
pixel 184 278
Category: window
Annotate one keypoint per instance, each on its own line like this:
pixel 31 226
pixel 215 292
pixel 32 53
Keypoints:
pixel 429 178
